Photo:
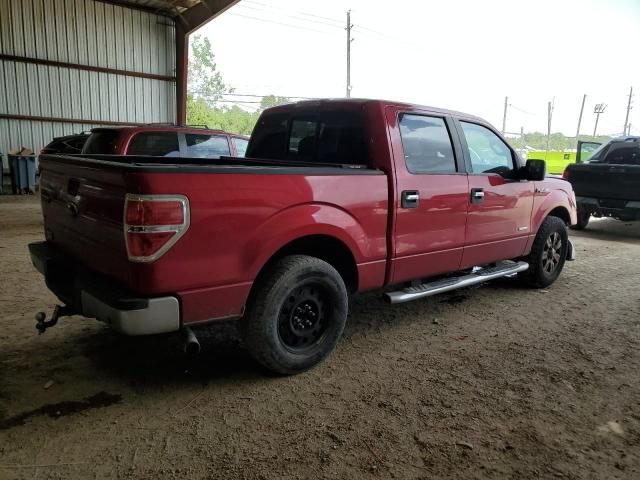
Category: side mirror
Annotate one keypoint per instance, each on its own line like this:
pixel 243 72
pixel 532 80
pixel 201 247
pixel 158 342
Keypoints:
pixel 535 170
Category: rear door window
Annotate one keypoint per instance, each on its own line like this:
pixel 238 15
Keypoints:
pixel 156 144
pixel 206 146
pixel 102 142
pixel 426 144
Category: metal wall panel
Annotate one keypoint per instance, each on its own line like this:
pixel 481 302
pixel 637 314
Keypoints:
pixel 85 32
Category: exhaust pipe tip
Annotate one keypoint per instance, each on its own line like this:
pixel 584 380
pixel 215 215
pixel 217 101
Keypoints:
pixel 190 343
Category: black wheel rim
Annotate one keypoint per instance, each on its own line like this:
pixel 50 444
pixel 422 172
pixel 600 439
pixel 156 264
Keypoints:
pixel 551 253
pixel 304 318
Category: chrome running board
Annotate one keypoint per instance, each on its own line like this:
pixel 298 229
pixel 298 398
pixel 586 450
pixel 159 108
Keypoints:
pixel 479 275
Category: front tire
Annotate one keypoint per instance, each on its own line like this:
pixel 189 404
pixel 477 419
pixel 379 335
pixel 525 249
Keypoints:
pixel 297 314
pixel 548 254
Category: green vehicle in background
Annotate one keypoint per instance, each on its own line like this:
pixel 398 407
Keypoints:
pixel 558 161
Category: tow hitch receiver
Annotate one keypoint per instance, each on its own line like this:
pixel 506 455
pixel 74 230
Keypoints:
pixel 59 311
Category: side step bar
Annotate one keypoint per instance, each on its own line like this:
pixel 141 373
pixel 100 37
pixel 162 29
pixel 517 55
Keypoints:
pixel 479 275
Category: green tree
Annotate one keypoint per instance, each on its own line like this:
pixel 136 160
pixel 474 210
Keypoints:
pixel 204 80
pixel 557 141
pixel 273 101
pixel 205 92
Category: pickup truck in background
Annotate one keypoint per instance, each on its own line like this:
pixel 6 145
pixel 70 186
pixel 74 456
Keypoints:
pixel 608 183
pixel 165 140
pixel 335 197
pixel 69 144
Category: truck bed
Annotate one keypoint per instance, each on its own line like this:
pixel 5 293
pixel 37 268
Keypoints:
pixel 606 181
pixel 238 213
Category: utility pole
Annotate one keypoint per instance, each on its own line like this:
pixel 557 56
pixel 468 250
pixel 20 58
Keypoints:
pixel 550 106
pixel 627 129
pixel 349 40
pixel 598 109
pixel 522 136
pixel 504 116
pixel 584 98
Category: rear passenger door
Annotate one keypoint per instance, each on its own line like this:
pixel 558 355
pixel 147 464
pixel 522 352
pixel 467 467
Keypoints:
pixel 432 192
pixel 500 203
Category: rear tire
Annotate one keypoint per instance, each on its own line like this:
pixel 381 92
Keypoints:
pixel 297 314
pixel 583 220
pixel 548 254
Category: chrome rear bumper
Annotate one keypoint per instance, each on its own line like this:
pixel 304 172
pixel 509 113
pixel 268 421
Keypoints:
pixel 162 315
pixel 93 295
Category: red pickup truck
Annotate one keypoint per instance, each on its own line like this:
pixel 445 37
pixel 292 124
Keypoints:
pixel 334 197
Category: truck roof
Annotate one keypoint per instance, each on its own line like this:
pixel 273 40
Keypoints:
pixel 163 127
pixel 348 103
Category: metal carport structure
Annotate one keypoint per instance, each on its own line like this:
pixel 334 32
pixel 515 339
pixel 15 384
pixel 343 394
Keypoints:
pixel 70 65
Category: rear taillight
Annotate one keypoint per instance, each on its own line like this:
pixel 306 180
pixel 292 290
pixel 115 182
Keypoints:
pixel 153 224
pixel 565 174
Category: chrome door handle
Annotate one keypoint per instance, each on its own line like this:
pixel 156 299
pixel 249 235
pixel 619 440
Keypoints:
pixel 477 195
pixel 410 199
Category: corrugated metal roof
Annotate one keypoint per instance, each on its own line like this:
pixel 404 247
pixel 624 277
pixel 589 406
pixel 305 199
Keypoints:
pixel 84 32
pixel 171 8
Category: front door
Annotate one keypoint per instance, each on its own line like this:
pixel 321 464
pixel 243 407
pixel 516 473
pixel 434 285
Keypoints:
pixel 499 203
pixel 431 196
pixel 585 150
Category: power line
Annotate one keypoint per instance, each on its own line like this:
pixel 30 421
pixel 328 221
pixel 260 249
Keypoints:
pixel 370 31
pixel 523 111
pixel 255 95
pixel 296 17
pixel 299 27
pixel 335 20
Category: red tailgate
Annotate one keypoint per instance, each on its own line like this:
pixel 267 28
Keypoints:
pixel 82 205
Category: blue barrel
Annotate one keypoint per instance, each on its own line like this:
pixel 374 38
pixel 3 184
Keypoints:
pixel 23 173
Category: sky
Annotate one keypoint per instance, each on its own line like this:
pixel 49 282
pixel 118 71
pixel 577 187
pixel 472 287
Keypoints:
pixel 464 55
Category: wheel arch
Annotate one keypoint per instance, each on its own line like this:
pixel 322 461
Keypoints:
pixel 325 247
pixel 562 213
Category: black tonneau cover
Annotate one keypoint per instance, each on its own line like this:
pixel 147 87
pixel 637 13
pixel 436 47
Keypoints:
pixel 215 165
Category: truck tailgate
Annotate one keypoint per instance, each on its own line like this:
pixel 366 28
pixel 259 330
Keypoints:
pixel 606 181
pixel 83 209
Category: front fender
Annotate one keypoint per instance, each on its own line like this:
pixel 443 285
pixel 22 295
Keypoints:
pixel 546 203
pixel 366 242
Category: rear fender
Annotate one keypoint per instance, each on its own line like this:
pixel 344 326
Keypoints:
pixel 300 221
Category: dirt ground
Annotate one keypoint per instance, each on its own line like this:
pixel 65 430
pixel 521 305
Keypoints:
pixel 494 382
